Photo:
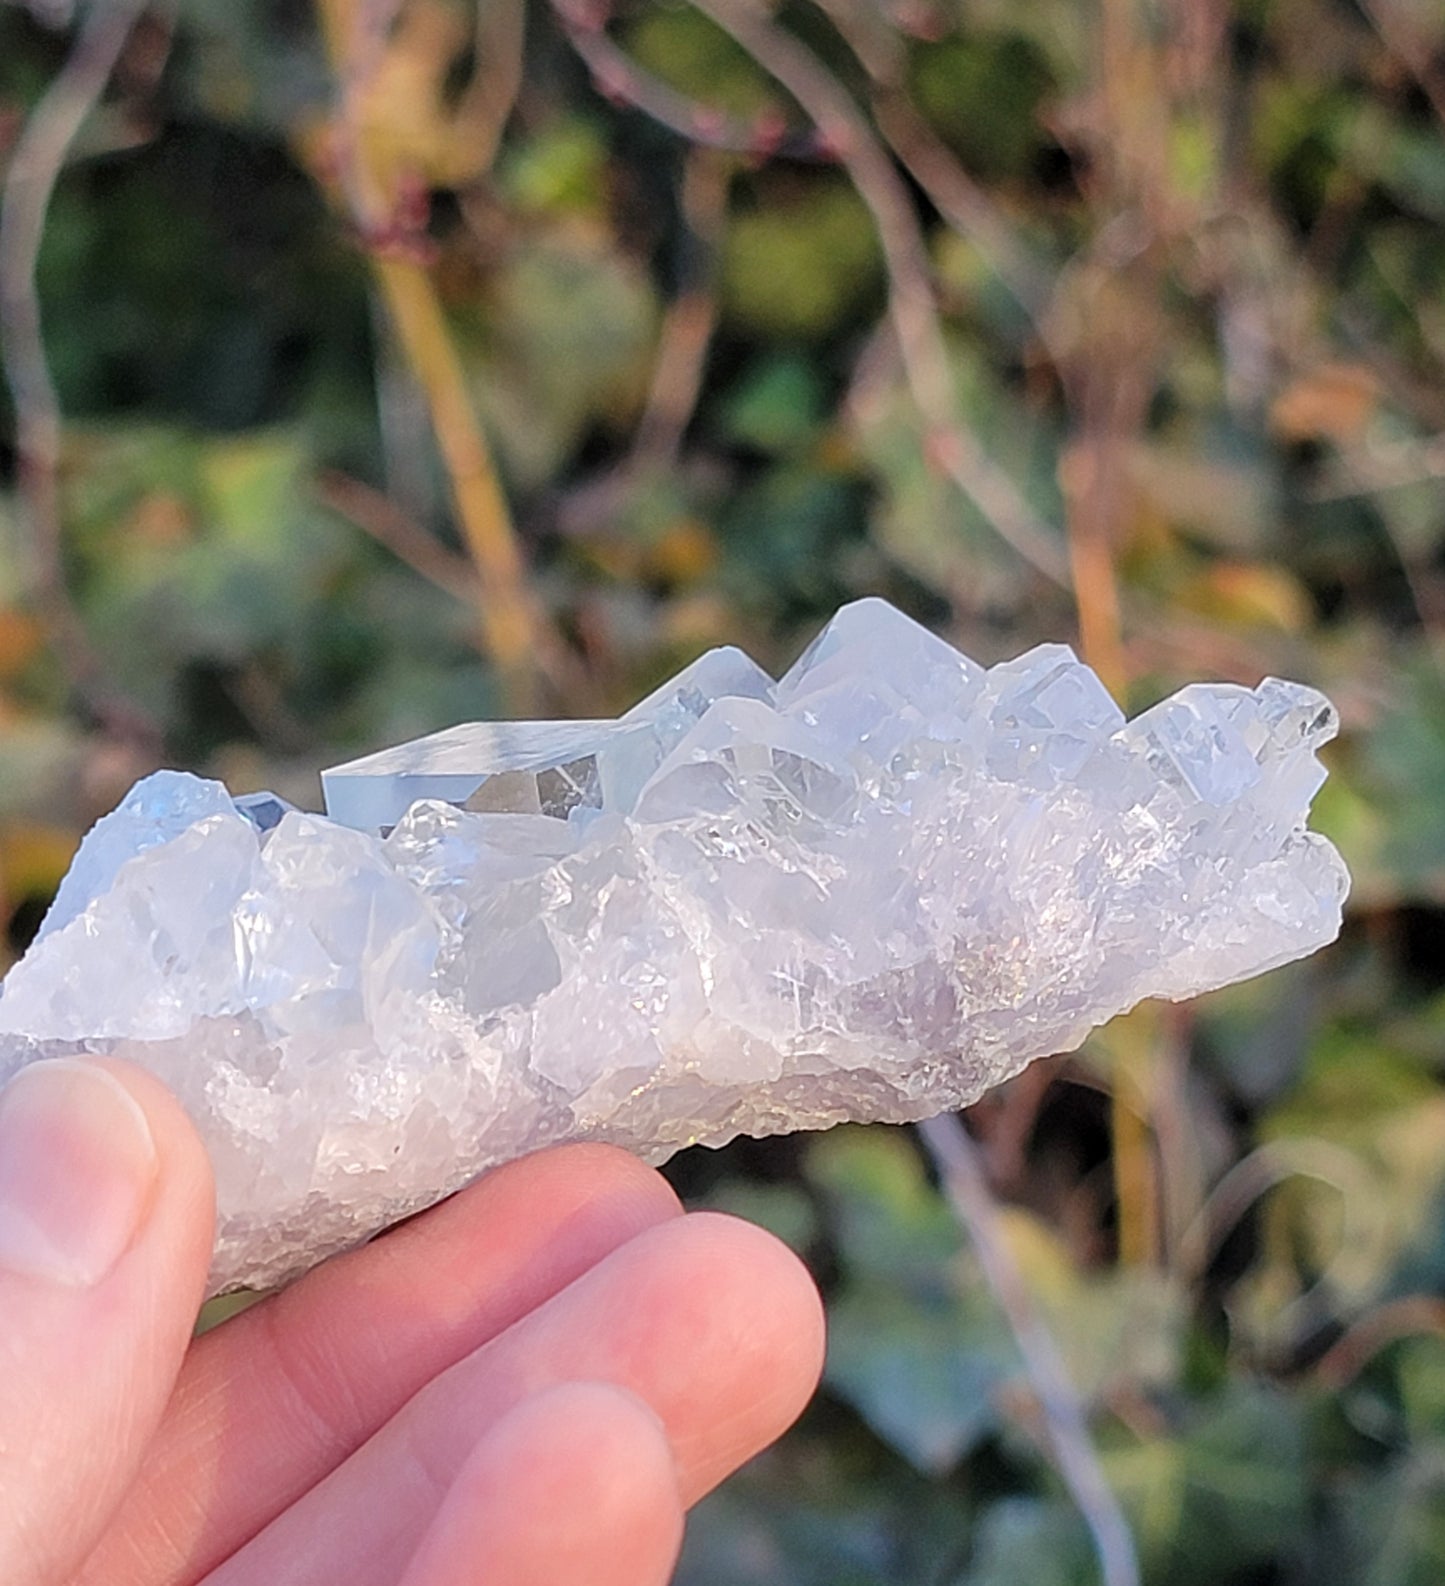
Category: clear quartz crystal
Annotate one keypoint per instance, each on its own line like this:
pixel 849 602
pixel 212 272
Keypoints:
pixel 870 890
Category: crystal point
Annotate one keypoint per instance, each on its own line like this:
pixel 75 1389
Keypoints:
pixel 871 890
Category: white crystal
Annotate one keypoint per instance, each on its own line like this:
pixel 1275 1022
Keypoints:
pixel 263 810
pixel 870 891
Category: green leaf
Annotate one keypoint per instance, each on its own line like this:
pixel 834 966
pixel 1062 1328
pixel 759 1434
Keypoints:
pixel 565 343
pixel 1030 1542
pixel 560 169
pixel 982 92
pixel 1369 1118
pixel 1420 1372
pixel 786 537
pixel 802 263
pixel 776 407
pixel 1229 1494
pixel 1407 757
pixel 811 1512
pixel 1121 1328
pixel 1394 1522
pixel 923 1376
pixel 915 1342
pixel 695 55
pixel 891 1224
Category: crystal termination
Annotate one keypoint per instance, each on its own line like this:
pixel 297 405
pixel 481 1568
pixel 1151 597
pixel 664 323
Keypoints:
pixel 871 890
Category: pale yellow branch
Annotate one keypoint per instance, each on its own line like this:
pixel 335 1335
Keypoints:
pixel 356 33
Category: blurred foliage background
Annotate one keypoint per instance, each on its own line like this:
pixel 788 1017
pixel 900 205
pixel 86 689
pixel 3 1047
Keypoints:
pixel 387 363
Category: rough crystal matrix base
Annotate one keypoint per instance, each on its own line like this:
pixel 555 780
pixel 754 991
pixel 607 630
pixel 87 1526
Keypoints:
pixel 871 890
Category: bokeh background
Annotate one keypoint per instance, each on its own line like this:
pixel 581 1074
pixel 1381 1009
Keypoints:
pixel 378 364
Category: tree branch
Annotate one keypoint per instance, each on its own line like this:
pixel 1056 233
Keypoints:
pixel 1400 35
pixel 513 629
pixel 962 203
pixel 913 308
pixel 689 321
pixel 961 1172
pixel 380 517
pixel 1411 1316
pixel 617 76
pixel 35 166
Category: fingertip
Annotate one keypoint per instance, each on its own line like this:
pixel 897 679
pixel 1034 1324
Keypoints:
pixel 767 1321
pixel 600 1171
pixel 576 1483
pixel 709 1320
pixel 106 1224
pixel 184 1217
pixel 628 1459
pixel 778 1308
pixel 780 1273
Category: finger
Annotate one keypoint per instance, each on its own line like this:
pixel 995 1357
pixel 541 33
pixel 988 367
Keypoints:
pixel 710 1321
pixel 273 1400
pixel 575 1485
pixel 106 1216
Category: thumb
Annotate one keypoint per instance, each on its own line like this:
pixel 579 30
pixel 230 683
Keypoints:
pixel 106 1214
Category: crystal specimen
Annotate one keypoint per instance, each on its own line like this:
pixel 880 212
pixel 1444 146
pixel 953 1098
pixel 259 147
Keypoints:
pixel 871 890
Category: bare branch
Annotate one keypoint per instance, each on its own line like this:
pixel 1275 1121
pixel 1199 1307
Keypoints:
pixel 380 517
pixel 1262 1170
pixel 617 76
pixel 913 308
pixel 514 627
pixel 499 44
pixel 962 203
pixel 1400 34
pixel 35 166
pixel 1411 1316
pixel 688 324
pixel 961 1171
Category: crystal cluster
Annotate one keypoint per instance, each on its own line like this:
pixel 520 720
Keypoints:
pixel 869 891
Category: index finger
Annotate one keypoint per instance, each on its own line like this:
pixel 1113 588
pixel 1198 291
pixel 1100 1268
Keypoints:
pixel 270 1402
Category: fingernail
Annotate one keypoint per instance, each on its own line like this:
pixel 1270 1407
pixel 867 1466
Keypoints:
pixel 77 1168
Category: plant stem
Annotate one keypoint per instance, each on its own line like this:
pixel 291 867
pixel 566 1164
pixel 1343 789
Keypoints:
pixel 356 34
pixel 957 1159
pixel 35 166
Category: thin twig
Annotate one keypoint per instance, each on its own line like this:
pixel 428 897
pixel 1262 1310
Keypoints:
pixel 35 166
pixel 1264 1169
pixel 1176 1129
pixel 407 462
pixel 1131 1043
pixel 376 514
pixel 960 200
pixel 912 305
pixel 1384 466
pixel 688 324
pixel 1398 467
pixel 1363 1242
pixel 1398 32
pixel 680 363
pixel 488 99
pixel 961 1172
pixel 380 517
pixel 1411 1316
pixel 1112 291
pixel 617 76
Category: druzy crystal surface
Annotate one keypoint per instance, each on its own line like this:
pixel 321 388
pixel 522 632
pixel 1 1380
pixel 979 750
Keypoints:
pixel 870 890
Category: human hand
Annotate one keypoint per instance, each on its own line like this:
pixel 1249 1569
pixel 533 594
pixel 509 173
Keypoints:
pixel 529 1383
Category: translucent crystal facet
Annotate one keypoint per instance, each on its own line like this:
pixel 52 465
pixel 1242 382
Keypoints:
pixel 870 890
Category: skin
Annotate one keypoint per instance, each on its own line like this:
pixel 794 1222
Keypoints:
pixel 528 1384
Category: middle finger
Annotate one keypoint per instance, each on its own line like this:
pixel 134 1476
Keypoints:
pixel 710 1321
